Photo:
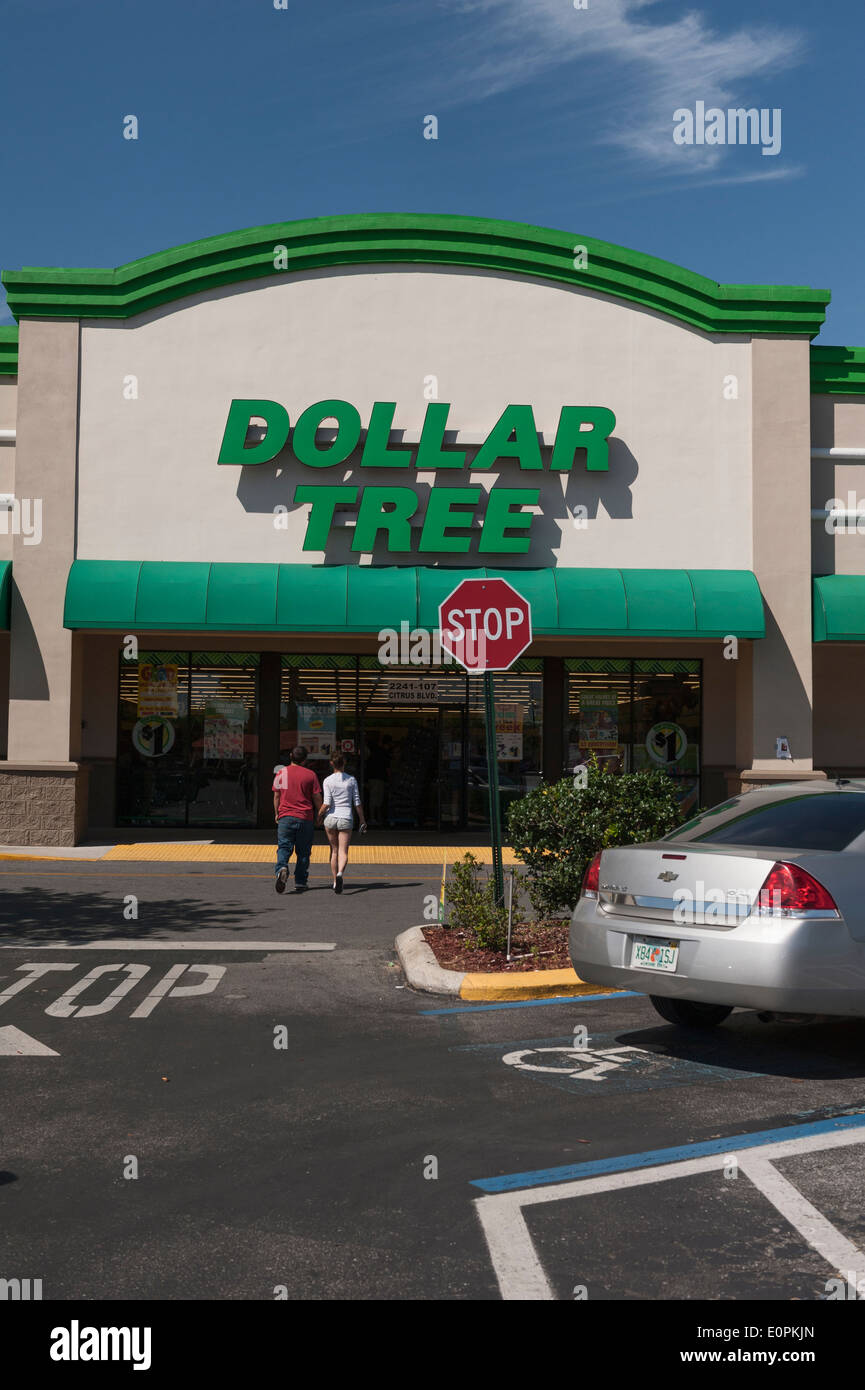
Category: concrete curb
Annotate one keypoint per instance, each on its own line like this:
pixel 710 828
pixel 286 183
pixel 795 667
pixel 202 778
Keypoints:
pixel 422 970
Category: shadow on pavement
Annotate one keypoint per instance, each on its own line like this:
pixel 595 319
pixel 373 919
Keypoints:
pixel 39 914
pixel 803 1051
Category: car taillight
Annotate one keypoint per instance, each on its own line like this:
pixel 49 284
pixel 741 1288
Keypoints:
pixel 791 892
pixel 591 876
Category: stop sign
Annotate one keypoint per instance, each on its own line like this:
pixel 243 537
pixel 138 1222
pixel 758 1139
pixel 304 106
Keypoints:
pixel 485 624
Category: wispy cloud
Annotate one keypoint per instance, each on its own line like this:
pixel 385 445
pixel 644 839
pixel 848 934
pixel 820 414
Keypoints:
pixel 632 71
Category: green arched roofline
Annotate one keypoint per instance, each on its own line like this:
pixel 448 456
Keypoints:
pixel 418 239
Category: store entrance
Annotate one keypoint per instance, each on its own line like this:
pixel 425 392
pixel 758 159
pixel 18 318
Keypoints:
pixel 414 768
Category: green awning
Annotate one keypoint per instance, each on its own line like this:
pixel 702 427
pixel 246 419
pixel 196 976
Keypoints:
pixel 159 596
pixel 839 608
pixel 5 593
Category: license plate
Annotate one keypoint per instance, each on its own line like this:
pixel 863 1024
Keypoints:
pixel 647 954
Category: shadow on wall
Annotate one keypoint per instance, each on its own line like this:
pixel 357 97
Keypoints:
pixel 784 676
pixel 27 677
pixel 265 487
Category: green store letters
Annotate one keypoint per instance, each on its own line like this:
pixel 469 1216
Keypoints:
pixel 514 436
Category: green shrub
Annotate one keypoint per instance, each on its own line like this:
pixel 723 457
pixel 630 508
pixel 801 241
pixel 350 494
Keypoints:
pixel 557 830
pixel 473 906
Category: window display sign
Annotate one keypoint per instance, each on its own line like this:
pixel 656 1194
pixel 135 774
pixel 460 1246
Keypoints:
pixel 418 690
pixel 153 737
pixel 316 729
pixel 509 733
pixel 599 721
pixel 666 743
pixel 224 723
pixel 157 689
pixel 413 692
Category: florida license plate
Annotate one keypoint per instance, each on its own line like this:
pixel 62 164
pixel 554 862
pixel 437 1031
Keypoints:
pixel 648 954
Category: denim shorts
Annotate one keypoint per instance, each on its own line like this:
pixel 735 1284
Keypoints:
pixel 338 822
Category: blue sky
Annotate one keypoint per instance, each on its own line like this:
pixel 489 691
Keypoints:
pixel 547 114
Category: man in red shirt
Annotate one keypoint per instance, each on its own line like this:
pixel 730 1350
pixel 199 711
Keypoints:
pixel 296 803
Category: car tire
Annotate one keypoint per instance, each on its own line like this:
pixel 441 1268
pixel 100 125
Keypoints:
pixel 689 1014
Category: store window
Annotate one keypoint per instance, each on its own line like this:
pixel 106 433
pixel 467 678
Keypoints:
pixel 632 714
pixel 188 739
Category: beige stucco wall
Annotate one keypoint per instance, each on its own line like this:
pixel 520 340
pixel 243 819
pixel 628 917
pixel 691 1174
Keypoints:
pixel 8 417
pixel 40 684
pixel 780 695
pixel 678 489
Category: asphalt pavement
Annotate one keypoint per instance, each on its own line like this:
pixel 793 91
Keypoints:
pixel 199 1111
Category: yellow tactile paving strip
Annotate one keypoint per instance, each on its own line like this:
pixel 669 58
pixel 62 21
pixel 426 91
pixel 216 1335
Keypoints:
pixel 178 852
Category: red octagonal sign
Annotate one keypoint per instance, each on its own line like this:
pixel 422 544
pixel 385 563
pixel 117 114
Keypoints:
pixel 485 624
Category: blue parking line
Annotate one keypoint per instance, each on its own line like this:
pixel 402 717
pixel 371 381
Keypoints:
pixel 534 1003
pixel 623 1163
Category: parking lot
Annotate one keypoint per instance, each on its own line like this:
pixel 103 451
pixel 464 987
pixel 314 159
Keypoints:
pixel 234 1094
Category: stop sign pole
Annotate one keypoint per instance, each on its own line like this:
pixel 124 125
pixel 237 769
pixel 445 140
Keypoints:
pixel 486 625
pixel 493 780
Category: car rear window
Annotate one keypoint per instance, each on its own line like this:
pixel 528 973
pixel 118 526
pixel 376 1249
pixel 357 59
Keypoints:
pixel 823 820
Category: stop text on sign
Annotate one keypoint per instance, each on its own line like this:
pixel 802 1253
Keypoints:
pixel 581 430
pixel 485 624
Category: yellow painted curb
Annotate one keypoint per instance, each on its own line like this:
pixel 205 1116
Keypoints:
pixel 527 984
pixel 49 858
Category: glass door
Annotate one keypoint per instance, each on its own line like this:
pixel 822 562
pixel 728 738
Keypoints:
pixel 452 767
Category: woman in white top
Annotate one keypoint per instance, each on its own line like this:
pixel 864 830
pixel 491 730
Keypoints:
pixel 341 795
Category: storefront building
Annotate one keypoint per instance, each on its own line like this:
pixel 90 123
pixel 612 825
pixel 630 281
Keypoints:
pixel 239 477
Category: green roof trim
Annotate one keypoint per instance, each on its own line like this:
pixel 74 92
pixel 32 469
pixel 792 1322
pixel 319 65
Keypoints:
pixel 837 371
pixel 158 596
pixel 9 350
pixel 417 239
pixel 839 608
pixel 5 593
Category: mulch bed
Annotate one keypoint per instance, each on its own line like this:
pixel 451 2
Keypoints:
pixel 534 946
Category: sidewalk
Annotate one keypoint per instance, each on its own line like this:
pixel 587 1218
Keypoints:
pixel 263 851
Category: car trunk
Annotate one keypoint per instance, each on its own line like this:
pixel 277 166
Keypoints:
pixel 711 888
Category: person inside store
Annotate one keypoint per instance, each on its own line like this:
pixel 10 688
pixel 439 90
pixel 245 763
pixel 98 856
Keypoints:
pixel 296 803
pixel 341 798
pixel 378 760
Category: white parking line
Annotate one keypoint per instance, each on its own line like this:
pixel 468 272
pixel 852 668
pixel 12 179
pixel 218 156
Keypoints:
pixel 135 943
pixel 518 1268
pixel 812 1226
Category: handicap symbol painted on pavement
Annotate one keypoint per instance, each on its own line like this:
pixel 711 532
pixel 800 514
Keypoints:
pixel 605 1065
pixel 591 1063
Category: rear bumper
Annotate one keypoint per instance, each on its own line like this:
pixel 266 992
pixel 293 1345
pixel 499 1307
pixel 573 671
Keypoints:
pixel 787 966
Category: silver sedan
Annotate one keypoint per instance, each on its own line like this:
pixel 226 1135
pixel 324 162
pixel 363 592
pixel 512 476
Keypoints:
pixel 758 903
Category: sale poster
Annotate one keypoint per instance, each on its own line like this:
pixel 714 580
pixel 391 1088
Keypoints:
pixel 157 689
pixel 316 729
pixel 224 724
pixel 509 733
pixel 599 721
